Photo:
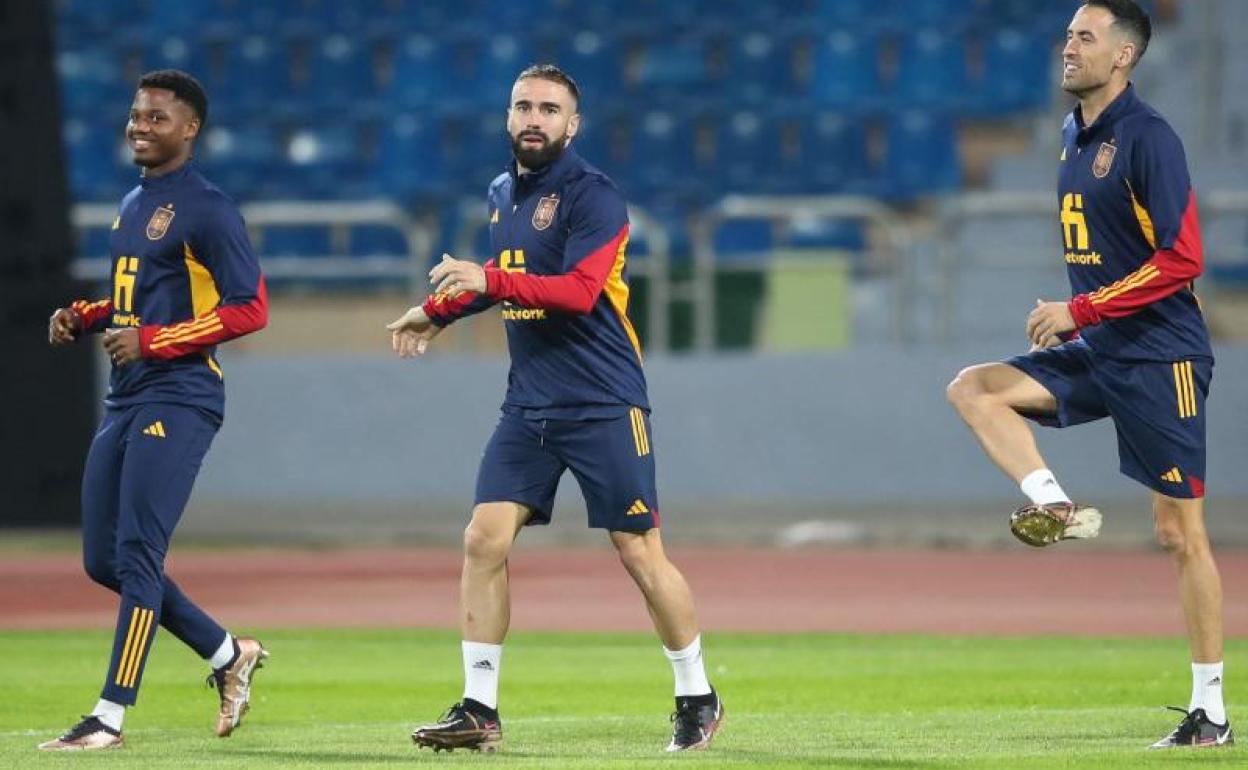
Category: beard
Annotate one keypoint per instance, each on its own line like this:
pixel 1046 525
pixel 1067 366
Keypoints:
pixel 534 158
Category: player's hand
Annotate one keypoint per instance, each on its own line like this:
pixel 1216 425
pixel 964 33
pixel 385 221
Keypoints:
pixel 63 326
pixel 1048 322
pixel 454 276
pixel 122 346
pixel 411 332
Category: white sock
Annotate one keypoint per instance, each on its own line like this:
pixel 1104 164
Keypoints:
pixel 110 713
pixel 224 653
pixel 1207 691
pixel 1042 487
pixel 481 664
pixel 688 668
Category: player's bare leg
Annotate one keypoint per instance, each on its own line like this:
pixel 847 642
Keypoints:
pixel 485 598
pixel 485 603
pixel 668 597
pixel 699 711
pixel 989 398
pixel 1180 527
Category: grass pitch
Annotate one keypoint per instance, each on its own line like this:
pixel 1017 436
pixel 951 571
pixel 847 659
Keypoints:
pixel 350 699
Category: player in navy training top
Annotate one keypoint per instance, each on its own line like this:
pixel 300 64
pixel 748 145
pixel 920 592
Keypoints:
pixel 576 399
pixel 184 279
pixel 1130 345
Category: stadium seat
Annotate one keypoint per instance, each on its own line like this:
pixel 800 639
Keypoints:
pixel 931 70
pixel 743 240
pixel 594 60
pixel 254 71
pixel 1019 69
pixel 91 82
pixel 845 70
pixel 419 63
pixel 410 157
pixel 341 72
pixel 921 155
pixel 95 156
pixel 669 69
pixel 375 240
pixel 761 67
pixel 496 60
pixel 835 152
pixel 294 241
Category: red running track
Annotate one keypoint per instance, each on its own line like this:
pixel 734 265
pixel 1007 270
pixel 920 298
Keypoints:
pixel 1065 590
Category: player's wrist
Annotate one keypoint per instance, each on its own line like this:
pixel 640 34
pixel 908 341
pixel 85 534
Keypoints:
pixel 494 279
pixel 1082 311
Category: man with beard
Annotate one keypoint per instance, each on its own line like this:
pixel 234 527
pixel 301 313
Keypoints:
pixel 184 280
pixel 576 399
pixel 1131 345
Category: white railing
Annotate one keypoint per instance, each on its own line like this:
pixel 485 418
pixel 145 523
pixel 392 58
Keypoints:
pixel 891 256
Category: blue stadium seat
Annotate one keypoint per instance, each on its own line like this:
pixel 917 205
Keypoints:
pixel 743 239
pixel 1020 70
pixel 673 68
pixel 594 60
pixel 851 15
pixel 761 67
pixel 341 72
pixel 94 156
pixel 948 15
pixel 497 59
pixel 254 71
pixel 835 152
pixel 845 70
pixel 921 155
pixel 410 158
pixel 664 154
pixel 419 65
pixel 295 241
pixel 931 70
pixel 91 82
pixel 328 159
pixel 375 240
pixel 745 150
pixel 241 157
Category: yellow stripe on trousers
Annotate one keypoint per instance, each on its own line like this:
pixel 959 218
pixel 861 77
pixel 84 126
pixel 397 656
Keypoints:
pixel 125 649
pixel 137 659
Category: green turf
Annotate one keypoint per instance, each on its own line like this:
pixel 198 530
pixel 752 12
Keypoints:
pixel 350 698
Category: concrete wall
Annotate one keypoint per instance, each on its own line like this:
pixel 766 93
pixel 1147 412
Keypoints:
pixel 866 429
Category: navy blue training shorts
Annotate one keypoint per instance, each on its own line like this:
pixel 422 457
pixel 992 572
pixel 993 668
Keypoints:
pixel 612 460
pixel 1158 409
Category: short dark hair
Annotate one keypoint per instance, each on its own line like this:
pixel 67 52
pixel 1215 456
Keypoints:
pixel 184 87
pixel 553 74
pixel 1131 19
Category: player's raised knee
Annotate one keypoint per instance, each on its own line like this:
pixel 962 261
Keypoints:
pixel 965 389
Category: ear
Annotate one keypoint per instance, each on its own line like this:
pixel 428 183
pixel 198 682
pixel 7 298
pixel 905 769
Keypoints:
pixel 1125 56
pixel 574 124
pixel 192 129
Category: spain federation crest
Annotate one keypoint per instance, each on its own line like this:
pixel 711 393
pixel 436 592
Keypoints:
pixel 544 214
pixel 158 225
pixel 1103 160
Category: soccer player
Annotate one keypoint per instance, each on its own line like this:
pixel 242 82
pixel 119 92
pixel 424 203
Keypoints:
pixel 1130 345
pixel 184 280
pixel 576 399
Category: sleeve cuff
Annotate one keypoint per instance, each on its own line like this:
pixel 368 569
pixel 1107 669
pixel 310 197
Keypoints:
pixel 1083 311
pixel 146 335
pixel 493 282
